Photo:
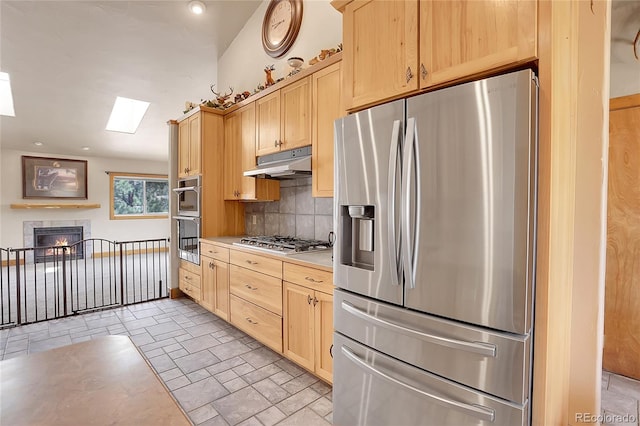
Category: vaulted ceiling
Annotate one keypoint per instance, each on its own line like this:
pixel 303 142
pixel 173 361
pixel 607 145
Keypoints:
pixel 68 60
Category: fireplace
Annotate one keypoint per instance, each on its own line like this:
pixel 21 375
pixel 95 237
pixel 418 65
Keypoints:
pixel 57 236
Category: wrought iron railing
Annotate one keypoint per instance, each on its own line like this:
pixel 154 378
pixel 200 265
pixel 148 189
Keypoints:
pixel 44 283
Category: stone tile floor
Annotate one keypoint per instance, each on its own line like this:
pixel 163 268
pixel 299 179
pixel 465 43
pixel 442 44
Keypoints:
pixel 620 400
pixel 218 374
pixel 221 376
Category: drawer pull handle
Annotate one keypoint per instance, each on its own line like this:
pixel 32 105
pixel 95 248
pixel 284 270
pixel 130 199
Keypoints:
pixel 250 288
pixel 250 321
pixel 312 280
pixel 308 299
pixel 250 262
pixel 187 277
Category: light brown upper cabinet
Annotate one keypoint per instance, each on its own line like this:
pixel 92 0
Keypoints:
pixel 189 139
pixel 463 38
pixel 327 107
pixel 240 155
pixel 380 56
pixel 393 48
pixel 284 118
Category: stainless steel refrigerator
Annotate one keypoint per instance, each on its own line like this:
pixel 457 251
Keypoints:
pixel 435 200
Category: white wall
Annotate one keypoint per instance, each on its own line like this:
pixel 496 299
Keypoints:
pixel 625 78
pixel 241 66
pixel 98 192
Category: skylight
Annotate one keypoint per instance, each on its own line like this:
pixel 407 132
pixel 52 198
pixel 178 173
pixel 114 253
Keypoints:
pixel 126 115
pixel 6 98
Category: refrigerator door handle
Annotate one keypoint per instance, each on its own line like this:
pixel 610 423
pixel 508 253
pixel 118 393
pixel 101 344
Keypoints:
pixel 391 203
pixel 477 411
pixel 484 349
pixel 407 156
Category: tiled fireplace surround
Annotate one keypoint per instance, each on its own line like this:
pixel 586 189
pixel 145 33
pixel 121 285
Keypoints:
pixel 296 214
pixel 29 225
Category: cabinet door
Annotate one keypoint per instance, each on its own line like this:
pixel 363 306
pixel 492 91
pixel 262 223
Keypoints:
pixel 295 114
pixel 268 124
pixel 183 148
pixel 459 38
pixel 208 283
pixel 232 149
pixel 194 144
pixel 323 312
pixel 247 154
pixel 221 307
pixel 380 56
pixel 327 107
pixel 298 324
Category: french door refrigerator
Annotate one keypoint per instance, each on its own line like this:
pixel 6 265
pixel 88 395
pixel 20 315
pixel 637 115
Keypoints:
pixel 435 199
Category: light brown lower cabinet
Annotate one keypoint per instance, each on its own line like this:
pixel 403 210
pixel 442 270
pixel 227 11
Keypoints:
pixel 215 286
pixel 214 274
pixel 189 280
pixel 308 328
pixel 257 322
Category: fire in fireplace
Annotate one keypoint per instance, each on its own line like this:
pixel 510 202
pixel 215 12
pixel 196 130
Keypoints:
pixel 57 237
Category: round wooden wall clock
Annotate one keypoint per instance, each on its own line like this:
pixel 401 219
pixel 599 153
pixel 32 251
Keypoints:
pixel 280 26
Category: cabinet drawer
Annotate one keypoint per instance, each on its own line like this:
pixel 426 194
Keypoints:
pixel 256 262
pixel 216 252
pixel 190 290
pixel 189 277
pixel 263 325
pixel 190 267
pixel 261 289
pixel 308 277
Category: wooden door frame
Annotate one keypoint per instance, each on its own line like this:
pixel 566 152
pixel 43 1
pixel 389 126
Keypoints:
pixel 574 42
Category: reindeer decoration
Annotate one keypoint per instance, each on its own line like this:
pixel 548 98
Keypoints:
pixel 223 100
pixel 267 71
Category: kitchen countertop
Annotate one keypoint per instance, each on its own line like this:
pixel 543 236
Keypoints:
pixel 101 381
pixel 321 259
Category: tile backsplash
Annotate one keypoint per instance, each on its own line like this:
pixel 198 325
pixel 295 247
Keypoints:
pixel 296 214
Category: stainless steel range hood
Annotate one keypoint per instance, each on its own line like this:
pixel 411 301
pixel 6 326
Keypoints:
pixel 290 164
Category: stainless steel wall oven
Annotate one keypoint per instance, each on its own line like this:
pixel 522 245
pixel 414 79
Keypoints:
pixel 188 218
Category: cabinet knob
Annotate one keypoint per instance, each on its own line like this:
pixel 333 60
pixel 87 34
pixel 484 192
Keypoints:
pixel 315 301
pixel 308 299
pixel 423 71
pixel 409 74
pixel 275 143
pixel 279 143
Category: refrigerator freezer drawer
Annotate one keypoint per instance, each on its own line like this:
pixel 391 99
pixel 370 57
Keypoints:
pixel 375 389
pixel 494 362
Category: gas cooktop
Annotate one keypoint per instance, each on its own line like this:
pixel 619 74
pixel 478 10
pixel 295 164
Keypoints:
pixel 283 245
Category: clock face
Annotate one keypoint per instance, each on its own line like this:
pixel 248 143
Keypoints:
pixel 280 22
pixel 280 26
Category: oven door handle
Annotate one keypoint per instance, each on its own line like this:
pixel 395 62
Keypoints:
pixel 187 188
pixel 191 218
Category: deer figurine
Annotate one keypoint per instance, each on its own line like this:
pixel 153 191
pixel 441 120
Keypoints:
pixel 222 99
pixel 267 71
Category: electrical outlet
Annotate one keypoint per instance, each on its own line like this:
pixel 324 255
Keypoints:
pixel 253 218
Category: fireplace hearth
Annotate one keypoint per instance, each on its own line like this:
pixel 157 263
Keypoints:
pixel 57 236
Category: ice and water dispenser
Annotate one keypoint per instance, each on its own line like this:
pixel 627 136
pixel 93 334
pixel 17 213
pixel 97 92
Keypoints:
pixel 357 236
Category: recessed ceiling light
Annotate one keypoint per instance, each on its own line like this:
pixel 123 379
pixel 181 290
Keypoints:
pixel 126 115
pixel 6 98
pixel 197 7
pixel 38 143
pixel 85 148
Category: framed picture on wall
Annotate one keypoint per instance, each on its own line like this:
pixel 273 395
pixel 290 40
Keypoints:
pixel 53 178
